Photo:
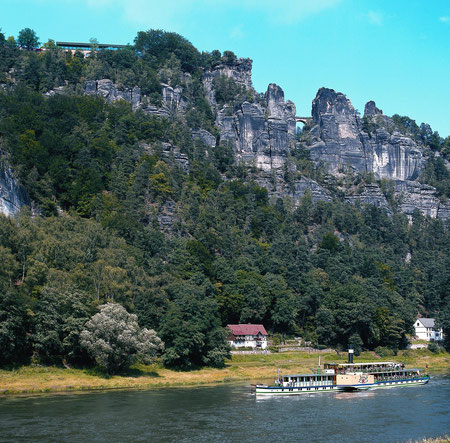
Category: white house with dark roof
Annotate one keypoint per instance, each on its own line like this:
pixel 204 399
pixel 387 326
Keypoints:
pixel 247 336
pixel 426 330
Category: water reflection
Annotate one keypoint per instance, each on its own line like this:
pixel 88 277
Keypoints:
pixel 353 395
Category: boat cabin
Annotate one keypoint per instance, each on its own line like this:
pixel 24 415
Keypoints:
pixel 307 380
pixel 343 368
pixel 398 374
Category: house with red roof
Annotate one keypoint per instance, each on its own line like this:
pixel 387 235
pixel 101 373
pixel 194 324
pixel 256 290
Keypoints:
pixel 247 336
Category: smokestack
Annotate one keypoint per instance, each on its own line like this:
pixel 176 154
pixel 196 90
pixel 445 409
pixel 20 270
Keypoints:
pixel 350 354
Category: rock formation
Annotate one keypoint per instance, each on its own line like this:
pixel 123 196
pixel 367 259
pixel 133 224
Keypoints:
pixel 240 71
pixel 111 92
pixel 341 142
pixel 414 195
pixel 371 194
pixel 205 137
pixel 172 98
pixel 262 132
pixel 12 195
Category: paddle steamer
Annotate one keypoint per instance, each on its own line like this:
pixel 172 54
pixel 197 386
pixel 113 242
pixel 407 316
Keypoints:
pixel 346 377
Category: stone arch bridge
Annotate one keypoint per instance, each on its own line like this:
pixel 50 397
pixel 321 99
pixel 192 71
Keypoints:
pixel 304 120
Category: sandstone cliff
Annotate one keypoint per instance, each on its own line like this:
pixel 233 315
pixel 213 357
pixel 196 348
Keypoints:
pixel 262 132
pixel 12 195
pixel 341 142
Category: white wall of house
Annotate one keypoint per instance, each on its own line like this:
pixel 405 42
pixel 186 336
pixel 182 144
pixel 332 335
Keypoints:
pixel 427 333
pixel 249 341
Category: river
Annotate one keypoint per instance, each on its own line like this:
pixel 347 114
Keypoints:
pixel 229 413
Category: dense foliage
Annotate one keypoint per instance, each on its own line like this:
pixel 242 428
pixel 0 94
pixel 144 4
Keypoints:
pixel 121 221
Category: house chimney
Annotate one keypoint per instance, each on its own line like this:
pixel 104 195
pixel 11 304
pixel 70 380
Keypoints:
pixel 350 354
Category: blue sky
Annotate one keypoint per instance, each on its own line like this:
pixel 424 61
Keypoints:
pixel 396 52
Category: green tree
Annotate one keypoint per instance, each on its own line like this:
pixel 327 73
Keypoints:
pixel 11 42
pixel 161 45
pixel 443 321
pixel 113 338
pixel 14 328
pixel 330 242
pixel 191 329
pixel 59 317
pixel 28 39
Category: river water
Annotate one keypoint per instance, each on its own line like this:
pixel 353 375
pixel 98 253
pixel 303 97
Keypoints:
pixel 229 413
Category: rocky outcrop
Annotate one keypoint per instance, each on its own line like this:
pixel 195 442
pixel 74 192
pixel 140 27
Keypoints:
pixel 172 154
pixel 318 193
pixel 335 132
pixel 393 156
pixel 261 133
pixel 240 71
pixel 371 110
pixel 444 210
pixel 172 98
pixel 12 195
pixel 413 196
pixel 371 194
pixel 340 141
pixel 296 190
pixel 205 137
pixel 281 124
pixel 112 93
pixel 167 216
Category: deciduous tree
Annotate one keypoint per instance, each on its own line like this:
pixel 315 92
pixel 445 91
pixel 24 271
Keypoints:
pixel 113 338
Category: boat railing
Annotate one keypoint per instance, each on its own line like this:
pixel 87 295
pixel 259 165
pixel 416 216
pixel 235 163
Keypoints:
pixel 308 384
pixel 400 377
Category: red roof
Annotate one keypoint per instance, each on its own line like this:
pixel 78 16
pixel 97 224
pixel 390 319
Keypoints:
pixel 247 329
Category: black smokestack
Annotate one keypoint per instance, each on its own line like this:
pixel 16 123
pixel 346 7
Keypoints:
pixel 350 354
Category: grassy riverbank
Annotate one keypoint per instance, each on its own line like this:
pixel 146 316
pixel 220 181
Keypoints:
pixel 253 368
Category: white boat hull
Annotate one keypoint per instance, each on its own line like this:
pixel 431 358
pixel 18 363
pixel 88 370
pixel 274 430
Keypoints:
pixel 398 383
pixel 275 390
pixel 296 390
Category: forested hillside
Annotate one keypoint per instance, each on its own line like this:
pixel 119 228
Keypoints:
pixel 134 207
